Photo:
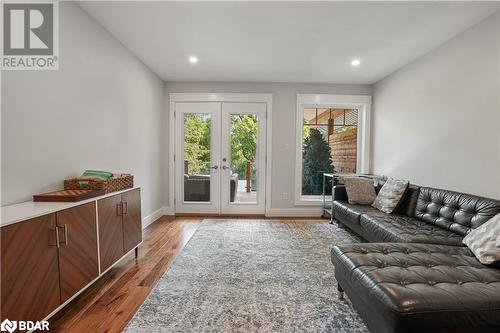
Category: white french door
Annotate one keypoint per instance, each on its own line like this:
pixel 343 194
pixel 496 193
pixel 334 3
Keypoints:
pixel 220 158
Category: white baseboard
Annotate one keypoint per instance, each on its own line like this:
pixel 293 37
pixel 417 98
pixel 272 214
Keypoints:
pixel 152 217
pixel 295 211
pixel 168 211
pixel 273 212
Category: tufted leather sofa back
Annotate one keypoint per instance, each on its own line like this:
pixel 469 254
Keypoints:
pixel 457 212
pixel 408 204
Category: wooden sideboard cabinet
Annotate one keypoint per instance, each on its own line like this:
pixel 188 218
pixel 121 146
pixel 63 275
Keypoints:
pixel 132 226
pixel 30 269
pixel 110 230
pixel 120 227
pixel 47 260
pixel 78 265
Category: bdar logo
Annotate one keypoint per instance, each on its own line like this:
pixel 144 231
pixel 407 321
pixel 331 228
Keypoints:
pixel 8 326
pixel 24 325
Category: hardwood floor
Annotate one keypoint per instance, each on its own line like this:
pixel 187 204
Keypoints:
pixel 109 304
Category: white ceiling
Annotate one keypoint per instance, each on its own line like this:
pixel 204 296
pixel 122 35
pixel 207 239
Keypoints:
pixel 283 41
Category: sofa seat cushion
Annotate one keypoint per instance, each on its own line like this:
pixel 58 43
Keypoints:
pixel 381 227
pixel 419 287
pixel 350 213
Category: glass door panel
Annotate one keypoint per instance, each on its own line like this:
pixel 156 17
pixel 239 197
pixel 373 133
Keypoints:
pixel 197 157
pixel 243 158
pixel 243 134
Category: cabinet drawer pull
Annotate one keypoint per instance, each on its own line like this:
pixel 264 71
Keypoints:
pixel 126 207
pixel 57 236
pixel 66 234
pixel 119 209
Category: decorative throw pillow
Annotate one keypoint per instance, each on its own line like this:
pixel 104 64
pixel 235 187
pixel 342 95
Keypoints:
pixel 484 241
pixel 390 195
pixel 360 190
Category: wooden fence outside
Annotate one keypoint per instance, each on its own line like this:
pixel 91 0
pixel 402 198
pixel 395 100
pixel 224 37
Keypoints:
pixel 344 150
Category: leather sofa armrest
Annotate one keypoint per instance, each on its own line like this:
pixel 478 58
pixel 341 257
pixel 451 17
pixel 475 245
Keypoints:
pixel 339 193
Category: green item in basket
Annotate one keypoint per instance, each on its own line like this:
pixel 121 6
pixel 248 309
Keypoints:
pixel 101 175
pixel 93 174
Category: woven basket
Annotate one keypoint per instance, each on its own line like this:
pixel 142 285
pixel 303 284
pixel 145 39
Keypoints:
pixel 110 185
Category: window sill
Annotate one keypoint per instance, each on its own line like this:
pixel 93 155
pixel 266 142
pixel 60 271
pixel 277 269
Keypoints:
pixel 311 200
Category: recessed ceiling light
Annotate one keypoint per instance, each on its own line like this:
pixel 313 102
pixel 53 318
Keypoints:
pixel 193 59
pixel 355 62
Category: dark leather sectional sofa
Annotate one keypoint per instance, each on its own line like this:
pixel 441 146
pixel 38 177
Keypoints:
pixel 417 276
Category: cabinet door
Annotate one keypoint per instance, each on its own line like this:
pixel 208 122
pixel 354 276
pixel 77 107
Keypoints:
pixel 132 221
pixel 78 249
pixel 110 230
pixel 30 272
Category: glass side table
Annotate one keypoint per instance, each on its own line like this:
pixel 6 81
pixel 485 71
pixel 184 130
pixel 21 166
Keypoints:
pixel 328 182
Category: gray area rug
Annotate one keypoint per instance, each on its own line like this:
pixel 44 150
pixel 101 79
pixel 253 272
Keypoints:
pixel 251 276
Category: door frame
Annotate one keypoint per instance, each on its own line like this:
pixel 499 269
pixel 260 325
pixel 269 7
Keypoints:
pixel 217 97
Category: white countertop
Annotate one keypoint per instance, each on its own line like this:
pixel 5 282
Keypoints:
pixel 29 209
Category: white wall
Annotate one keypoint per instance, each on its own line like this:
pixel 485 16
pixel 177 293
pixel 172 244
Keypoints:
pixel 283 122
pixel 437 121
pixel 101 110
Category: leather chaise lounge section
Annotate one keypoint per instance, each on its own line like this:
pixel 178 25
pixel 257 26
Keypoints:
pixel 414 287
pixel 417 276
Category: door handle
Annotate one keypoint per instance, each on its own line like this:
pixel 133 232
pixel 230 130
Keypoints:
pixel 119 209
pixel 57 236
pixel 215 167
pixel 126 208
pixel 66 234
pixel 225 167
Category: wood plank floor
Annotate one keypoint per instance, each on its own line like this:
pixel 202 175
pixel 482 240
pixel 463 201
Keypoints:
pixel 109 304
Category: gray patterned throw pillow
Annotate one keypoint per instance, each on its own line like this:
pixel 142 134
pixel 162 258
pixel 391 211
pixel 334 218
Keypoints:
pixel 484 241
pixel 390 195
pixel 359 190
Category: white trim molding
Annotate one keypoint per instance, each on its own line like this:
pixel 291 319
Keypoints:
pixel 224 97
pixel 219 97
pixel 363 104
pixel 154 216
pixel 295 212
pixel 147 220
pixel 170 211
